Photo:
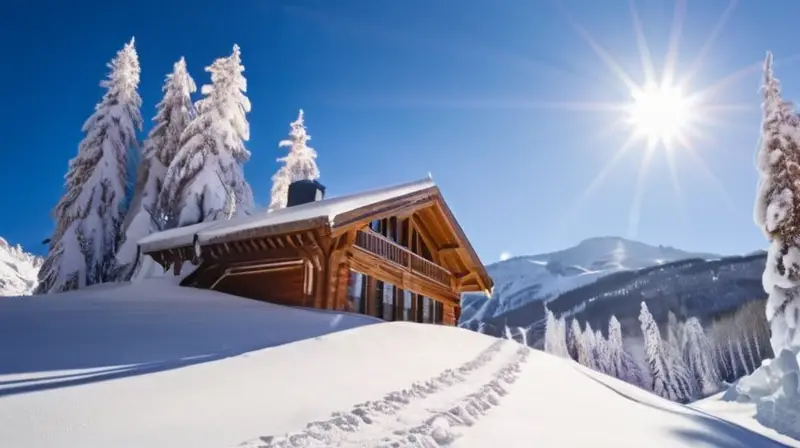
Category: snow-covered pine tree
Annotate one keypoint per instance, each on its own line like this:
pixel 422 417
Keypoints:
pixel 673 348
pixel 586 354
pixel 654 354
pixel 574 337
pixel 210 161
pixel 562 337
pixel 90 215
pixel 299 164
pixel 550 332
pixel 173 115
pixel 699 356
pixel 775 212
pixel 624 367
pixel 602 353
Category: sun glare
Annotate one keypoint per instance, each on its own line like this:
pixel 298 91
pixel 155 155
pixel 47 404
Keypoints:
pixel 659 114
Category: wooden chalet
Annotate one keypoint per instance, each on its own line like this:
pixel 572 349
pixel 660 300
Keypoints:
pixel 396 253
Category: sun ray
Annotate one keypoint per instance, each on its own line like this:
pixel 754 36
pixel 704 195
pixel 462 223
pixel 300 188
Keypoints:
pixel 599 178
pixel 673 173
pixel 698 61
pixel 598 49
pixel 714 181
pixel 674 42
pixel 412 102
pixel 638 193
pixel 641 43
pixel 703 94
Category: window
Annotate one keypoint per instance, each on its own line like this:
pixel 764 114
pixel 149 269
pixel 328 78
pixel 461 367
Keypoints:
pixel 377 299
pixel 388 302
pixel 357 292
pixel 407 298
pixel 426 310
pixel 438 312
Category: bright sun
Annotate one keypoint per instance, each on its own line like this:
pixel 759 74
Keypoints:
pixel 659 114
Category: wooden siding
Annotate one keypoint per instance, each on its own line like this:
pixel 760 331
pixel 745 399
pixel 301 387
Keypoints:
pixel 281 283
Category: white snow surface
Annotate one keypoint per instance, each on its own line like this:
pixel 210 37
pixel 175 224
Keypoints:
pixel 327 208
pixel 19 270
pixel 523 279
pixel 153 364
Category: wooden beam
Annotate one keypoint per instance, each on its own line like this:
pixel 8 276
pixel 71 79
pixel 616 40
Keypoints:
pixel 427 238
pixel 363 218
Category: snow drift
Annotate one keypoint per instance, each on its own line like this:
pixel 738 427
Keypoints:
pixel 152 364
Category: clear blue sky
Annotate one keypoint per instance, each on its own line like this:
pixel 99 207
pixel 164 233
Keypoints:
pixel 395 89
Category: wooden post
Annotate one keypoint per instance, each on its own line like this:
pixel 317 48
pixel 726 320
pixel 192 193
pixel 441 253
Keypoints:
pixel 449 317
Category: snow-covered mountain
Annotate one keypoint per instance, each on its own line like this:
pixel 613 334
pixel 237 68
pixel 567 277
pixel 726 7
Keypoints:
pixel 18 270
pixel 215 370
pixel 523 279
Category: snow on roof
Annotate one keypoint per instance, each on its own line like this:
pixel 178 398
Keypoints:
pixel 327 208
pixel 167 239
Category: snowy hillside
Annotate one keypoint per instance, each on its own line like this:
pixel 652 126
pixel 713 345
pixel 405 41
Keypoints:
pixel 521 280
pixel 18 270
pixel 156 365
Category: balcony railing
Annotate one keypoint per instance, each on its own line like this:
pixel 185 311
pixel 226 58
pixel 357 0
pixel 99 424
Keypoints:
pixel 387 249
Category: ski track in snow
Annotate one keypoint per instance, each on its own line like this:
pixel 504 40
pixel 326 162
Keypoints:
pixel 427 414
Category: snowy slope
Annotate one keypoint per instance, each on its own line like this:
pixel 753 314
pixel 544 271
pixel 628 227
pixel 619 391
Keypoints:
pixel 520 280
pixel 156 365
pixel 18 270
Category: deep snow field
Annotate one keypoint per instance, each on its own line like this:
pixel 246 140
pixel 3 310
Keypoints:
pixel 151 364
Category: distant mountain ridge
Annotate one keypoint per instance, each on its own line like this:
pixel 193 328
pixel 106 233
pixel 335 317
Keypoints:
pixel 524 279
pixel 19 270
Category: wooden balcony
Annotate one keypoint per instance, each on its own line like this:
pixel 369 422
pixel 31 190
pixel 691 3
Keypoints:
pixel 394 253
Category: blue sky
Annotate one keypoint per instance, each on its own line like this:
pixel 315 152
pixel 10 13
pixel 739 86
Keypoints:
pixel 395 89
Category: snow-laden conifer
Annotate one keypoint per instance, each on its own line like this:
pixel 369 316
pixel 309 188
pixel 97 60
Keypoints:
pixel 624 367
pixel 173 114
pixel 299 164
pixel 89 216
pixel 699 356
pixel 209 164
pixel 654 355
pixel 776 212
pixel 574 337
pixel 555 338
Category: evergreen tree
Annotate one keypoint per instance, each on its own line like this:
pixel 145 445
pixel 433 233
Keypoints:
pixel 574 336
pixel 654 354
pixel 699 356
pixel 299 164
pixel 624 366
pixel 172 117
pixel 561 337
pixel 89 216
pixel 550 332
pixel 776 212
pixel 209 164
pixel 681 378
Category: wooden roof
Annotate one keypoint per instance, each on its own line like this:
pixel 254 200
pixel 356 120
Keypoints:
pixel 334 216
